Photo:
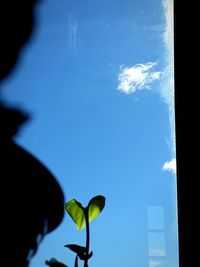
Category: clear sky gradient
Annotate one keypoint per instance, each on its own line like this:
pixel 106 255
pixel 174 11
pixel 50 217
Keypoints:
pixel 97 80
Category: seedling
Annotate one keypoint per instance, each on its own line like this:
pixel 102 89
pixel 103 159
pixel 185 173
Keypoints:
pixel 82 216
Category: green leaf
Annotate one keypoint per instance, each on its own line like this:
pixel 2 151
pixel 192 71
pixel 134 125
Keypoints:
pixel 76 248
pixel 76 212
pixel 95 207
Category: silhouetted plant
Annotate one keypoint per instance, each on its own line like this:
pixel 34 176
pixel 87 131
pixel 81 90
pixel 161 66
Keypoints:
pixel 82 216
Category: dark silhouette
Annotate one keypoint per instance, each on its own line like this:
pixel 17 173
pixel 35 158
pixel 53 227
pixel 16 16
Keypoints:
pixel 32 202
pixel 54 263
pixel 187 134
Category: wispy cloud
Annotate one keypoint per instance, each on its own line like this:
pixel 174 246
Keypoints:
pixel 137 77
pixel 170 166
pixel 167 85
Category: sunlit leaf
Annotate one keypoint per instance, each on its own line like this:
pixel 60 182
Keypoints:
pixel 76 212
pixel 95 207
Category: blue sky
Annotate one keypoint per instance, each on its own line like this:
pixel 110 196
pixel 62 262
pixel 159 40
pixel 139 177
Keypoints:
pixel 97 80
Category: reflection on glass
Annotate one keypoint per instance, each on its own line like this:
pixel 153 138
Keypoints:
pixel 157 263
pixel 155 217
pixel 156 244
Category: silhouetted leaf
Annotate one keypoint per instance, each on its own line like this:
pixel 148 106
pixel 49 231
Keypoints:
pixel 54 263
pixel 90 255
pixel 95 207
pixel 76 212
pixel 76 248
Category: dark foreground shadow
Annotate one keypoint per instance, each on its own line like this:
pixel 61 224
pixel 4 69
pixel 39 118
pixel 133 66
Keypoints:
pixel 32 202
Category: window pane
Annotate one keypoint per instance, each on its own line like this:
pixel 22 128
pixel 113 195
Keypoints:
pixel 97 79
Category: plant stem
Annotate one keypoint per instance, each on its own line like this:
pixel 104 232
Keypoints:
pixel 76 261
pixel 87 237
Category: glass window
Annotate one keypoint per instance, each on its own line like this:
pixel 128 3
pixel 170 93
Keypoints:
pixel 97 78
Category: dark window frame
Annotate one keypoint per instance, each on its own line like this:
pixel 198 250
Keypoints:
pixel 187 139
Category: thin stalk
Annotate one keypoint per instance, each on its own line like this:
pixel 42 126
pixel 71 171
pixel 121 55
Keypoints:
pixel 76 261
pixel 87 237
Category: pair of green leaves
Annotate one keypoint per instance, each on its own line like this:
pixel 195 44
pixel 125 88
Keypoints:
pixel 78 213
pixel 82 216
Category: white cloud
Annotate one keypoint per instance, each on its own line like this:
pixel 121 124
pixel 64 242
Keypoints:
pixel 167 83
pixel 170 166
pixel 169 23
pixel 137 77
